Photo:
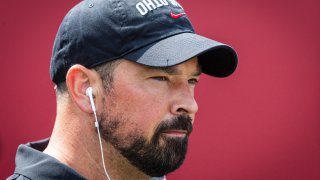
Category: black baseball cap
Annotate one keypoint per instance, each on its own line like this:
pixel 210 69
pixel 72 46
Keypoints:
pixel 155 33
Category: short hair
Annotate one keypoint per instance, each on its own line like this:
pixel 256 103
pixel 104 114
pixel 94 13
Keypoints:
pixel 104 70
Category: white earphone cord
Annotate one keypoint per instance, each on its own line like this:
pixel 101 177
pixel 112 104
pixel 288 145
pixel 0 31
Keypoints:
pixel 101 148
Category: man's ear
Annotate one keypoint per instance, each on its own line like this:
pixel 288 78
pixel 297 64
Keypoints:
pixel 78 79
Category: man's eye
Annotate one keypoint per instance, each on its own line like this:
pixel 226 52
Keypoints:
pixel 160 78
pixel 193 81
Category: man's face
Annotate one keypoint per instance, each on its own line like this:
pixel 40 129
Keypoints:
pixel 149 112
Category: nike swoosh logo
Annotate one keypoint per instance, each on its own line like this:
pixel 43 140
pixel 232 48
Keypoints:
pixel 176 16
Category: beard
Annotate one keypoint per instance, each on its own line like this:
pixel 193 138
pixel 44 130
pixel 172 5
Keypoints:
pixel 156 157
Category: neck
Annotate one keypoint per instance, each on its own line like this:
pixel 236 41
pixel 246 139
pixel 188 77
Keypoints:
pixel 75 142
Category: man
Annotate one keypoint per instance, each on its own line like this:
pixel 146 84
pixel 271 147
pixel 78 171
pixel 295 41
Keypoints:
pixel 125 73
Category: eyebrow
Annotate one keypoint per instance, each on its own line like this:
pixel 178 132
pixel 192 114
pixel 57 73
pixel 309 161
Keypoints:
pixel 173 70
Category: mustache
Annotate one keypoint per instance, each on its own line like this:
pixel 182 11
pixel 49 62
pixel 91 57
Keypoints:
pixel 181 122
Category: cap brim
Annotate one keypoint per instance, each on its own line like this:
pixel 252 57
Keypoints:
pixel 216 59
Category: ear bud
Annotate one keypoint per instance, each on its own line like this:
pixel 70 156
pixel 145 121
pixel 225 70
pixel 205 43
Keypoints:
pixel 90 95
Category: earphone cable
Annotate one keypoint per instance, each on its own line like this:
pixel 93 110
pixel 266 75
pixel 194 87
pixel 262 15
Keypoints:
pixel 101 148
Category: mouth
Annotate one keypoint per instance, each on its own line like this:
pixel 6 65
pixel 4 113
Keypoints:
pixel 175 133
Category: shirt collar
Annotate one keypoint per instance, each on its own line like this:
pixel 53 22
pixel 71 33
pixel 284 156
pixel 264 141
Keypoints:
pixel 34 164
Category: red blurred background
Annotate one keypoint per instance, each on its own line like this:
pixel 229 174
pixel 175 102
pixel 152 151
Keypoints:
pixel 261 123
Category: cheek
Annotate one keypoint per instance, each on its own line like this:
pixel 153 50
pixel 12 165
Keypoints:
pixel 142 109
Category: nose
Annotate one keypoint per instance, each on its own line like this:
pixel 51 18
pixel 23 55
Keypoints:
pixel 183 102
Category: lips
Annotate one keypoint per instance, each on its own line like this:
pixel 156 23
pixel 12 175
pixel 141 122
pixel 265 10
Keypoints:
pixel 176 133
